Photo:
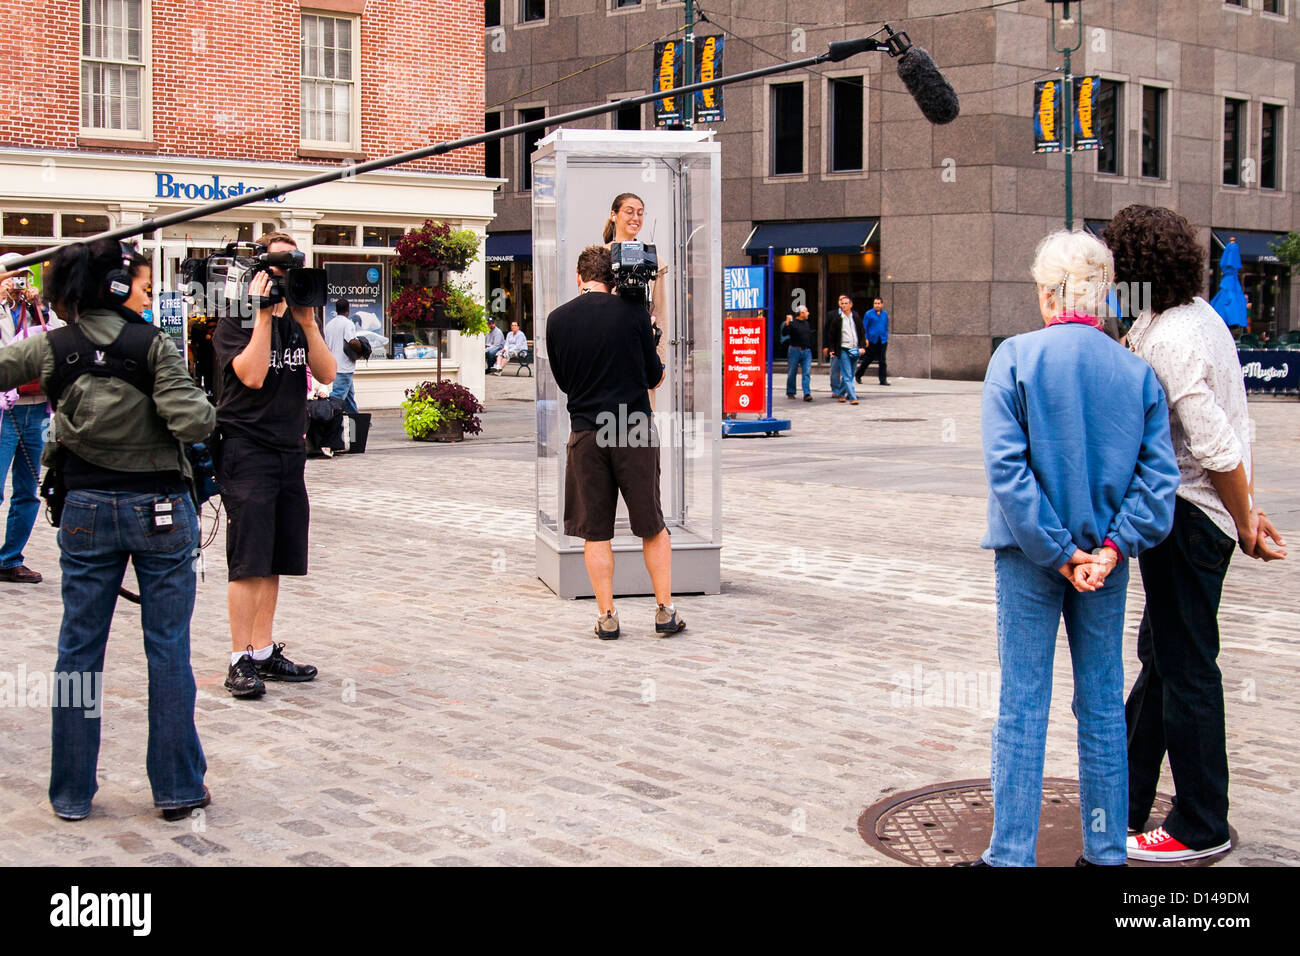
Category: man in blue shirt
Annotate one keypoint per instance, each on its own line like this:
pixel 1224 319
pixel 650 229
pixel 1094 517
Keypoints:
pixel 875 329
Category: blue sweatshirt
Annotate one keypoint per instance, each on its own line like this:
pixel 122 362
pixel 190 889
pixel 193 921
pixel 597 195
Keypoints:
pixel 1076 446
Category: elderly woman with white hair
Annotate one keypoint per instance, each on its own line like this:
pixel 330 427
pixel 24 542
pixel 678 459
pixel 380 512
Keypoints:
pixel 1081 477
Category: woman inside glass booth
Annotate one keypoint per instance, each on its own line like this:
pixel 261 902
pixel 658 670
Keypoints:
pixel 626 214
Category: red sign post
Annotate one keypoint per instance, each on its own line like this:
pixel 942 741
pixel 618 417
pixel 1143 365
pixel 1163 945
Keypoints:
pixel 744 358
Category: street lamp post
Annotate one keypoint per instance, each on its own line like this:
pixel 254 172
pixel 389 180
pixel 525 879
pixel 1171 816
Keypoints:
pixel 1067 100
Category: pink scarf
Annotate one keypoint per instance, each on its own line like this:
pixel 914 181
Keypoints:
pixel 1080 317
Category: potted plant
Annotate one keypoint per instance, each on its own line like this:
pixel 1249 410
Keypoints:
pixel 440 411
pixel 424 295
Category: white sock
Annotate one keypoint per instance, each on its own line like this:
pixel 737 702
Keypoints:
pixel 263 653
pixel 235 656
pixel 601 615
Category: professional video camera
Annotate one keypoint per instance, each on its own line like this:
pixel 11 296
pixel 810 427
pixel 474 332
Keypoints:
pixel 219 283
pixel 635 268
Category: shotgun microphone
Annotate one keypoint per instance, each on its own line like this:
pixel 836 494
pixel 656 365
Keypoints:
pixel 933 94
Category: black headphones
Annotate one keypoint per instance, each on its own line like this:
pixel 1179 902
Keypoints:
pixel 117 284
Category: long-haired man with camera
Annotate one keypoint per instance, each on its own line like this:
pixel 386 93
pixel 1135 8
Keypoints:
pixel 261 365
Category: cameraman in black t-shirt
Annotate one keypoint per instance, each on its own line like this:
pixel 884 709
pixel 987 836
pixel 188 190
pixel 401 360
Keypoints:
pixel 261 417
pixel 602 353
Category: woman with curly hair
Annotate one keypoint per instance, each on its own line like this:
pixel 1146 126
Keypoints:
pixel 1176 704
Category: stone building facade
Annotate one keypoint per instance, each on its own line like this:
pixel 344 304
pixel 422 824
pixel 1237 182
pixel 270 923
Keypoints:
pixel 867 197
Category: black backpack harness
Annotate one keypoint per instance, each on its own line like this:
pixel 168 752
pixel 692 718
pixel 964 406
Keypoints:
pixel 126 357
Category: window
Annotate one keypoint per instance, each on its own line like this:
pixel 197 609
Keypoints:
pixel 846 95
pixel 530 11
pixel 530 139
pixel 78 225
pixel 787 129
pixel 1234 115
pixel 624 4
pixel 492 13
pixel 1108 117
pixel 627 117
pixel 27 224
pixel 1273 6
pixel 114 82
pixel 332 234
pixel 330 94
pixel 492 150
pixel 381 235
pixel 1153 132
pixel 1270 135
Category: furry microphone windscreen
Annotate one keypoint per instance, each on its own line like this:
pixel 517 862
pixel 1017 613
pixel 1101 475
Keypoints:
pixel 933 94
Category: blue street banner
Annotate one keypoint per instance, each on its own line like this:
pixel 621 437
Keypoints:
pixel 1047 116
pixel 1270 370
pixel 668 75
pixel 708 65
pixel 1085 89
pixel 171 317
pixel 743 288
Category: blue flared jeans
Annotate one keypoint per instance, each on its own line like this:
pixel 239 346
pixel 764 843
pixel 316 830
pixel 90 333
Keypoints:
pixel 99 533
pixel 1031 601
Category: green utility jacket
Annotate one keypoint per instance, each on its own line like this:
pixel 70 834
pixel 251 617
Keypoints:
pixel 108 421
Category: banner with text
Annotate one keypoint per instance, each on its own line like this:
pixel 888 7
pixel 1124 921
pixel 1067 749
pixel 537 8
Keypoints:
pixel 1270 370
pixel 708 65
pixel 744 288
pixel 744 360
pixel 171 317
pixel 1085 89
pixel 361 283
pixel 668 76
pixel 1047 112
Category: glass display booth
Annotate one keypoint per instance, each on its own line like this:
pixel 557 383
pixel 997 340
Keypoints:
pixel 576 175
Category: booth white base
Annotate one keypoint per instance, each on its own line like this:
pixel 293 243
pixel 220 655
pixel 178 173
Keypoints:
pixel 384 384
pixel 697 568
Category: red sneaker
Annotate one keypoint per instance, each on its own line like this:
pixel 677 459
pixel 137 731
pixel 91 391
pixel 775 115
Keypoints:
pixel 1159 847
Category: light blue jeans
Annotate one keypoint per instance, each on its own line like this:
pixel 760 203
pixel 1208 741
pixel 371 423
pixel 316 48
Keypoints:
pixel 1030 603
pixel 343 390
pixel 23 424
pixel 798 360
pixel 99 533
pixel 845 360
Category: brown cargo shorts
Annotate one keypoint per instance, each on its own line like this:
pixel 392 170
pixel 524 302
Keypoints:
pixel 593 478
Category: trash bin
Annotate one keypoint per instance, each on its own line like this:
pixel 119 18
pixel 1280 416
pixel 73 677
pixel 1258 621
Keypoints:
pixel 360 432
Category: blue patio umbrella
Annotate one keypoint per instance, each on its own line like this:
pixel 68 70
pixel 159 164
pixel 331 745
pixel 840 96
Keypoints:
pixel 1230 301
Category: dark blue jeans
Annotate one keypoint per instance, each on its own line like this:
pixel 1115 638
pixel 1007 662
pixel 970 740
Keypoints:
pixel 1176 704
pixel 22 425
pixel 99 532
pixel 800 361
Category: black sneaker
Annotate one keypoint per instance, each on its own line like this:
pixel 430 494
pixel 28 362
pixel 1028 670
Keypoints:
pixel 242 679
pixel 279 667
pixel 172 814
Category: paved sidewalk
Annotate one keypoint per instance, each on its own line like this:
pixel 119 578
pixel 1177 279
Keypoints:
pixel 465 715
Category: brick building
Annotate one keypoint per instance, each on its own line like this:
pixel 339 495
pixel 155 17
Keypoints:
pixel 118 110
pixel 837 169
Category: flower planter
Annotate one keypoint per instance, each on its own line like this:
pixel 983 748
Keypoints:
pixel 448 431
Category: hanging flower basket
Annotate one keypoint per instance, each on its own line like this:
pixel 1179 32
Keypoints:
pixel 425 296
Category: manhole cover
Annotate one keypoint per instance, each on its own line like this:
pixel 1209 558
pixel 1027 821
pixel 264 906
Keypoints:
pixel 948 822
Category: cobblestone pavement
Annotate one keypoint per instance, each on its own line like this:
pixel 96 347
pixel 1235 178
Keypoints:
pixel 464 715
